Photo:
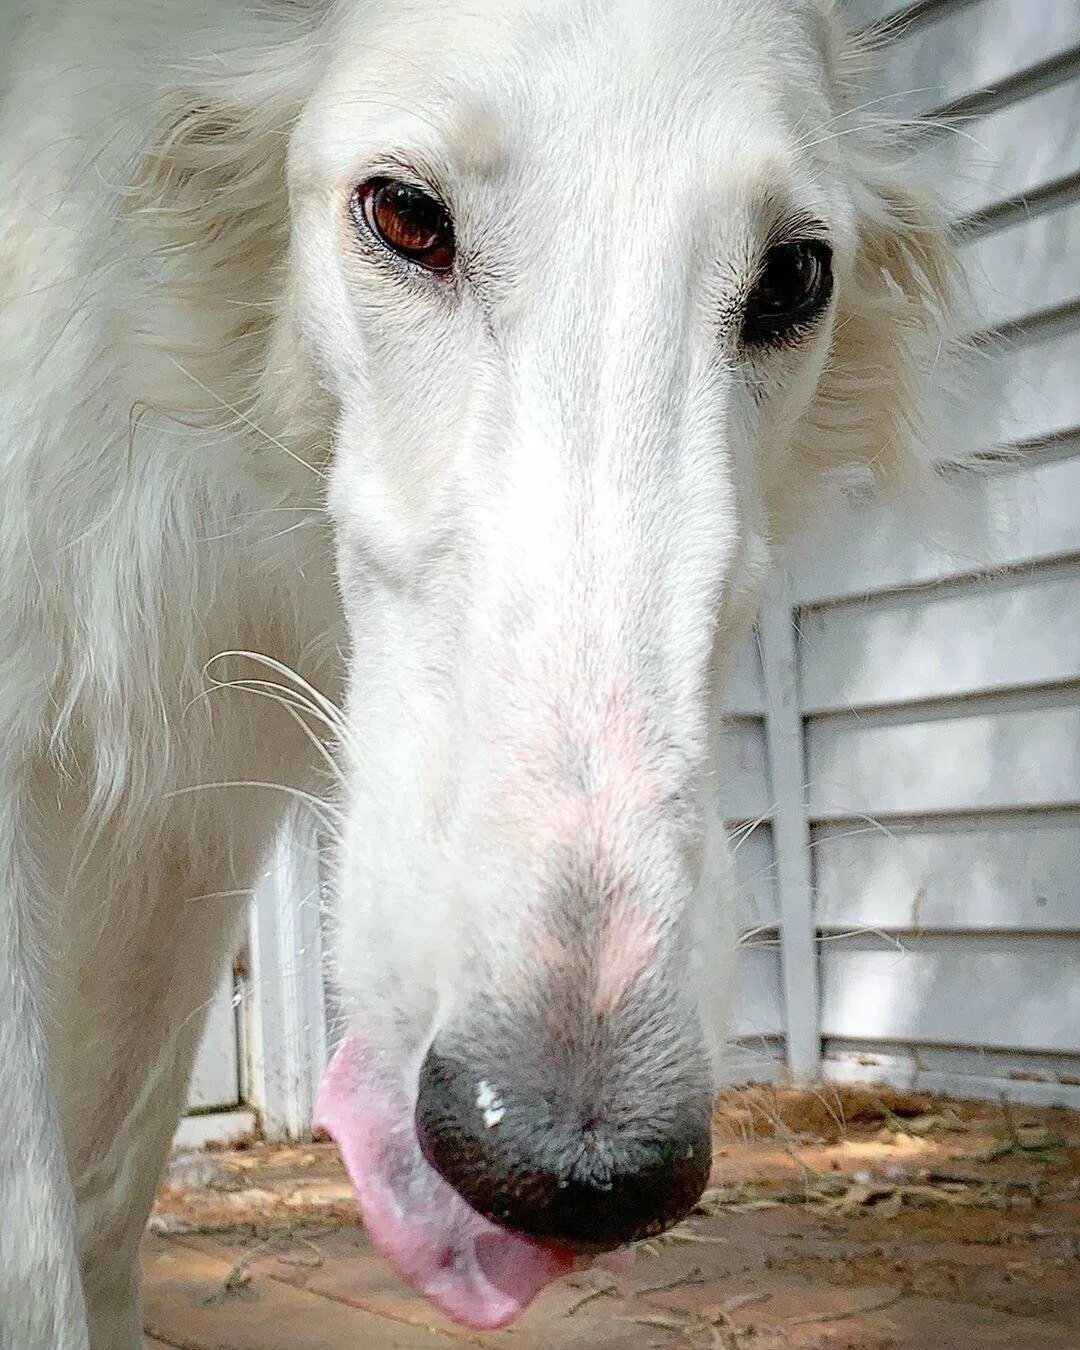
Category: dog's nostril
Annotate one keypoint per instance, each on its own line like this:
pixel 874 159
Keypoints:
pixel 565 1178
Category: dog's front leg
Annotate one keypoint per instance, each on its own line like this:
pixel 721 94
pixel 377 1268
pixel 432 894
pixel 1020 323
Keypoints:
pixel 41 1301
pixel 138 988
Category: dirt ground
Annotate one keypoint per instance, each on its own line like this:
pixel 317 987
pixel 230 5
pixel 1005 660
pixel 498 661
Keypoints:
pixel 836 1220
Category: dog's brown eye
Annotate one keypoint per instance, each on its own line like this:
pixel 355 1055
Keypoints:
pixel 793 287
pixel 408 221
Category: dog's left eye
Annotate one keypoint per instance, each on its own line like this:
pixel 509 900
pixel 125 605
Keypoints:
pixel 793 287
pixel 408 221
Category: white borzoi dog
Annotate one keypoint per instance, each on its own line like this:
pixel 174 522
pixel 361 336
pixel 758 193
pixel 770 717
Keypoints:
pixel 470 361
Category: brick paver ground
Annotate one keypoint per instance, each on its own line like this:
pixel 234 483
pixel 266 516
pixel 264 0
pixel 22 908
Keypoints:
pixel 836 1224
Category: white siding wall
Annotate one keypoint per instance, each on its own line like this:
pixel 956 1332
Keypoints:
pixel 905 731
pixel 940 688
pixel 932 760
pixel 749 796
pixel 215 1082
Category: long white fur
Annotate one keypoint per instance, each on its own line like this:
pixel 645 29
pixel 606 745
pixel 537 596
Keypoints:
pixel 207 390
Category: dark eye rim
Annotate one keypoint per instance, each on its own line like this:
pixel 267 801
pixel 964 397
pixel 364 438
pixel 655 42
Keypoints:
pixel 361 209
pixel 762 327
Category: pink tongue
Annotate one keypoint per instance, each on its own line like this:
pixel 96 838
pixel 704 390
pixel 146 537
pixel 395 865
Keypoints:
pixel 475 1272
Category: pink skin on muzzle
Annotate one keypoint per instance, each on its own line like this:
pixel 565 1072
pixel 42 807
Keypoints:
pixel 477 1273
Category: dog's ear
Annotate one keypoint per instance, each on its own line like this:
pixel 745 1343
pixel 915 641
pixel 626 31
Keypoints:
pixel 894 347
pixel 209 204
pixel 890 372
pixel 217 155
pixel 209 201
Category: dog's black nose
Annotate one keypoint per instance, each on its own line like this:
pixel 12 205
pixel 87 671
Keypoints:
pixel 554 1172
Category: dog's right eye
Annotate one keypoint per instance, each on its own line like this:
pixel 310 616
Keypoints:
pixel 407 221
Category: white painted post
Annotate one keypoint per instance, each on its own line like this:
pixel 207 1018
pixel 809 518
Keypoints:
pixel 791 835
pixel 288 1043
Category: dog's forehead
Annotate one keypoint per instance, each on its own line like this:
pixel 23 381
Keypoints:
pixel 631 37
pixel 491 82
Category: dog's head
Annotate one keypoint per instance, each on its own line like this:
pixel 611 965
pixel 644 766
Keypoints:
pixel 595 297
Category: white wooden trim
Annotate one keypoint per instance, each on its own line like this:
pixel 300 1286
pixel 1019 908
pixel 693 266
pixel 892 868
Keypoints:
pixel 744 695
pixel 215 1127
pixel 215 1078
pixel 755 880
pixel 758 1059
pixel 1007 269
pixel 998 158
pixel 1015 518
pixel 862 13
pixel 288 1043
pixel 1002 761
pixel 1010 992
pixel 1009 633
pixel 791 835
pixel 743 768
pixel 759 999
pixel 965 875
pixel 902 1074
pixel 959 52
